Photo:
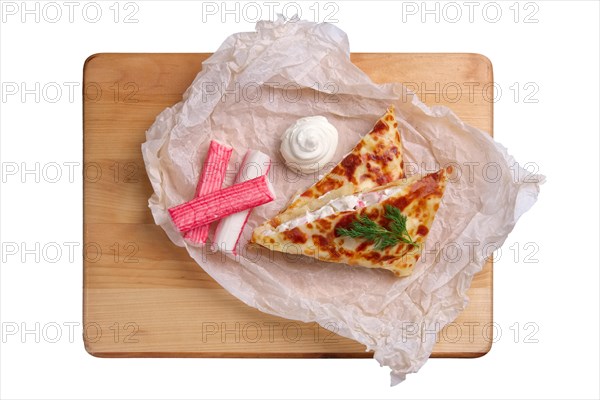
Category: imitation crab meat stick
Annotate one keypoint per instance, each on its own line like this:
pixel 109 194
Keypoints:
pixel 211 179
pixel 223 202
pixel 230 228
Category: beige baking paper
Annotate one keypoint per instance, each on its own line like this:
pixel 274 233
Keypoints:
pixel 255 86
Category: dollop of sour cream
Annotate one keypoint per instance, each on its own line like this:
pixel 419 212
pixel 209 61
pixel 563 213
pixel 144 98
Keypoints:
pixel 309 144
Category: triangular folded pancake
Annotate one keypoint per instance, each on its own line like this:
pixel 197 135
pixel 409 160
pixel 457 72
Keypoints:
pixel 316 234
pixel 374 161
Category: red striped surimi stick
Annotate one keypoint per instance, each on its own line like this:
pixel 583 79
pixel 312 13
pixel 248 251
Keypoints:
pixel 211 179
pixel 230 228
pixel 223 202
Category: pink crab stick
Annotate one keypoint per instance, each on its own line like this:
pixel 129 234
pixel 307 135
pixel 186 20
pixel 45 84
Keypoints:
pixel 211 179
pixel 223 202
pixel 230 228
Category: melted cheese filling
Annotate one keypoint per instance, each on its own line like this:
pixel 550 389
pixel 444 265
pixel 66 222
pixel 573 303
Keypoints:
pixel 345 203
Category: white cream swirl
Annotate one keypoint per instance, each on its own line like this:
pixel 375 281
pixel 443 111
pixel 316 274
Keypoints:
pixel 309 144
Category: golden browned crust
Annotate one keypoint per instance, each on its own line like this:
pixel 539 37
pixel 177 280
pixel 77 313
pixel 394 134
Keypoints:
pixel 418 199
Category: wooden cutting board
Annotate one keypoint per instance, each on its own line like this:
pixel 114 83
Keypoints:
pixel 145 297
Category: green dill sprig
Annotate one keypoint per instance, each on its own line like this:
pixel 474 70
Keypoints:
pixel 364 227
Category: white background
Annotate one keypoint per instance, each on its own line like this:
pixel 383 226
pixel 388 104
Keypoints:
pixel 558 294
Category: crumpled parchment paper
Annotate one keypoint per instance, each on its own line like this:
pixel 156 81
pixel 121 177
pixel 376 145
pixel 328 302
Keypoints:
pixel 256 85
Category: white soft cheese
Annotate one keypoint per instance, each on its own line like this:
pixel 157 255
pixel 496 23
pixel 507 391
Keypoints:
pixel 344 203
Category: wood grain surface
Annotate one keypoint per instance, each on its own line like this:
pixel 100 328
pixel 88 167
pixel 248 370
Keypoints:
pixel 145 297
